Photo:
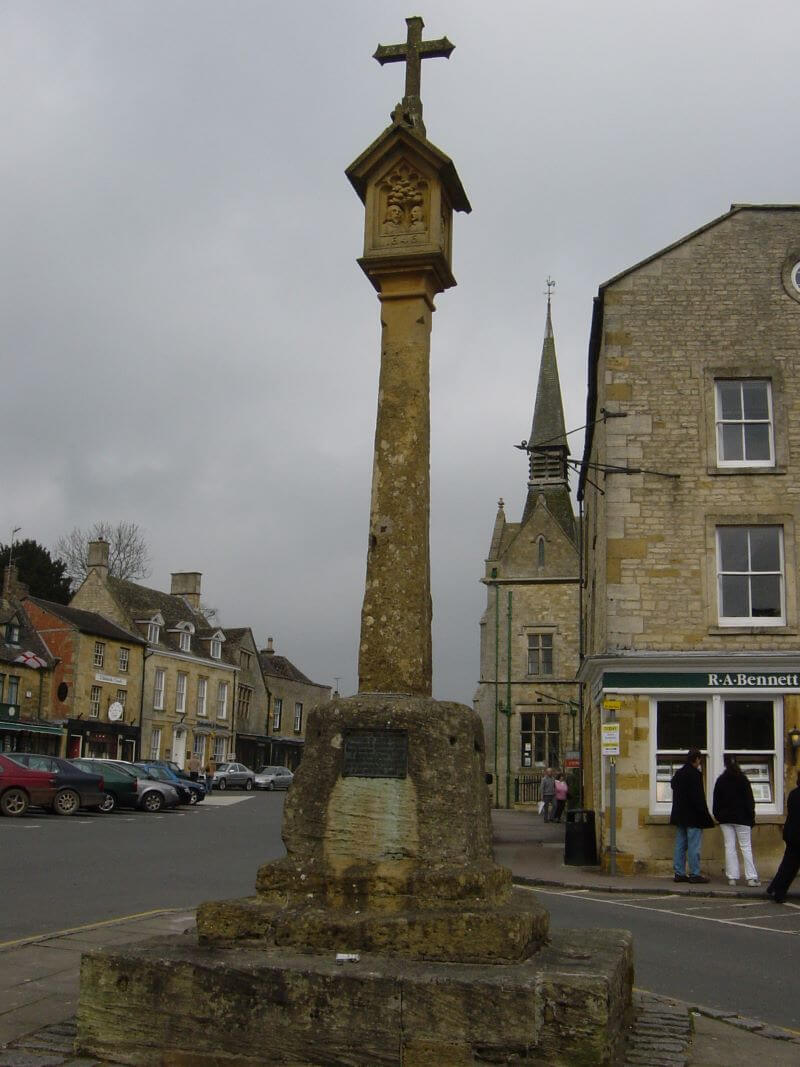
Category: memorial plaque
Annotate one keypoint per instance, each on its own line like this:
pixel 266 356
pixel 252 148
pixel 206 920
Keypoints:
pixel 375 754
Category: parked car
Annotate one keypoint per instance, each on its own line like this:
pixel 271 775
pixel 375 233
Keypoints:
pixel 76 788
pixel 189 792
pixel 234 774
pixel 171 765
pixel 128 786
pixel 20 787
pixel 274 778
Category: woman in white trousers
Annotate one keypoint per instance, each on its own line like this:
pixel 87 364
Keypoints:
pixel 735 810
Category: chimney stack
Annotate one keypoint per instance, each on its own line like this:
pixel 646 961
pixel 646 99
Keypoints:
pixel 269 650
pixel 97 559
pixel 187 585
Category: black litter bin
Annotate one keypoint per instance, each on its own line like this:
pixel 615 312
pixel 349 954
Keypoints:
pixel 580 846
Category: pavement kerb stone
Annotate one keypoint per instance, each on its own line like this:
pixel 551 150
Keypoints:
pixel 753 1026
pixel 35 939
pixel 663 891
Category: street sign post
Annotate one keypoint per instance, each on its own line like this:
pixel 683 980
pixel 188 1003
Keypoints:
pixel 609 746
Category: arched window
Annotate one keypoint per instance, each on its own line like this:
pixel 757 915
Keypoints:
pixel 540 547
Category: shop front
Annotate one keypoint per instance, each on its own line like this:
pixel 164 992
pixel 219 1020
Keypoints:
pixel 29 735
pixel 285 752
pixel 252 750
pixel 102 740
pixel 745 707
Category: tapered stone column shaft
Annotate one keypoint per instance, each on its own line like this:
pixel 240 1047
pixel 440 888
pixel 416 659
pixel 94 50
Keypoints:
pixel 395 649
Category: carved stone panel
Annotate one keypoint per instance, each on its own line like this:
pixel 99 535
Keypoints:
pixel 404 207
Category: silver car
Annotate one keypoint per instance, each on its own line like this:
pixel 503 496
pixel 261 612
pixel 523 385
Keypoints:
pixel 274 778
pixel 228 775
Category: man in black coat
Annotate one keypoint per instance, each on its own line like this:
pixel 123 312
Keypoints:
pixel 690 816
pixel 790 864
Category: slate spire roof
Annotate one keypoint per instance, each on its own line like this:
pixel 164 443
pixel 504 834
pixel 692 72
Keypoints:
pixel 547 430
pixel 547 443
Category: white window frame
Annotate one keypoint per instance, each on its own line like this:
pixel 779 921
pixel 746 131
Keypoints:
pixel 185 641
pixel 219 749
pixel 153 633
pixel 95 696
pixel 743 422
pixel 298 716
pixel 222 700
pixel 199 746
pixel 181 683
pixel 216 648
pixel 202 697
pixel 159 680
pixel 714 751
pixel 751 620
pixel 277 712
pixel 123 660
pixel 99 656
pixel 122 697
pixel 155 743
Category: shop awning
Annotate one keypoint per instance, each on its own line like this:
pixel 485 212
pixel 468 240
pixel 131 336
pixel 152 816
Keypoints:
pixel 31 727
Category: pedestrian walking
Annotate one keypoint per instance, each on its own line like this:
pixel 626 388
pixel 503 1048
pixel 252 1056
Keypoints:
pixel 211 770
pixel 194 767
pixel 561 797
pixel 790 864
pixel 548 793
pixel 734 808
pixel 690 816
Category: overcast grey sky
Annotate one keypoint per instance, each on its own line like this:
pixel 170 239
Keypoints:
pixel 187 341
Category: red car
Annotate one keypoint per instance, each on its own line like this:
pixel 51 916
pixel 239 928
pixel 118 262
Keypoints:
pixel 20 787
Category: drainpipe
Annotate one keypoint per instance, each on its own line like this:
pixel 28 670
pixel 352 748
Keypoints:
pixel 508 709
pixel 145 655
pixel 581 640
pixel 496 683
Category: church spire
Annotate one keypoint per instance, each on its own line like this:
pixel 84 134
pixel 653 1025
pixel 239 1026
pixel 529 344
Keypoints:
pixel 547 444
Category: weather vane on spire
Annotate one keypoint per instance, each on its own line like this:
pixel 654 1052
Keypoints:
pixel 409 110
pixel 550 287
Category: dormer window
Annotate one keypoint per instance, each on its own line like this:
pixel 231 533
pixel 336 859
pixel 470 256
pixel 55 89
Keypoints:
pixel 12 633
pixel 185 641
pixel 216 648
pixel 153 633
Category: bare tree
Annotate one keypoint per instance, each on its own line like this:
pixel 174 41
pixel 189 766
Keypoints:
pixel 128 551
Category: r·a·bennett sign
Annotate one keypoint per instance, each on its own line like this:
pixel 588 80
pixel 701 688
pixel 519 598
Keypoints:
pixel 753 681
pixel 656 680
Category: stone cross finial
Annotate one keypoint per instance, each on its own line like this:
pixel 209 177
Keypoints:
pixel 412 53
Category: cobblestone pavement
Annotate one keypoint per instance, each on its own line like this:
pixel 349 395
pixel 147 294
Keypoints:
pixel 660 1033
pixel 669 1033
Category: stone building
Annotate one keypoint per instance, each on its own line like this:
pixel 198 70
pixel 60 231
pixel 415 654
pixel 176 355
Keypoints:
pixel 691 493
pixel 26 676
pixel 96 689
pixel 290 696
pixel 250 701
pixel 189 682
pixel 527 695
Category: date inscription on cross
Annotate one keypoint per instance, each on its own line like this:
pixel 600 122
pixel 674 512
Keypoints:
pixel 412 53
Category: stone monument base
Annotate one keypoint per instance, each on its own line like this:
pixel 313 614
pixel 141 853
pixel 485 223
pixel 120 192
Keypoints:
pixel 388 858
pixel 173 1002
